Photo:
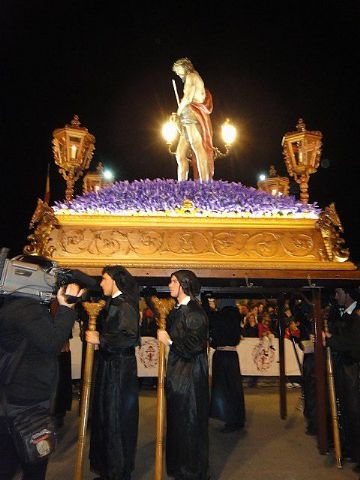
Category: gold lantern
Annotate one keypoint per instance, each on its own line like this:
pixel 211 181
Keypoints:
pixel 73 148
pixel 94 181
pixel 302 150
pixel 274 184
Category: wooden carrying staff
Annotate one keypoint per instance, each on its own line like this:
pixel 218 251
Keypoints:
pixel 332 397
pixel 163 306
pixel 92 309
pixel 282 367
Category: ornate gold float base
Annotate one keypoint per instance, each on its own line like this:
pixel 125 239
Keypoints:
pixel 211 245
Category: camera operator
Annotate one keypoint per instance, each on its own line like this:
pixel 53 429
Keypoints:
pixel 35 378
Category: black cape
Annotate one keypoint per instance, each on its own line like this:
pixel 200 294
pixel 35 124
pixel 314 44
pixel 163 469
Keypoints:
pixel 114 420
pixel 346 353
pixel 187 394
pixel 227 394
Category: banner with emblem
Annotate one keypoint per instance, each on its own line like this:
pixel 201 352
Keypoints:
pixel 255 357
pixel 147 357
pixel 261 358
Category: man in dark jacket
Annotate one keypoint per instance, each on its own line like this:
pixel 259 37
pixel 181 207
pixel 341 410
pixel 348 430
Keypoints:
pixel 187 388
pixel 34 380
pixel 114 424
pixel 344 341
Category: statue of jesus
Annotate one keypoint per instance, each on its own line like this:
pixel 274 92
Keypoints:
pixel 193 113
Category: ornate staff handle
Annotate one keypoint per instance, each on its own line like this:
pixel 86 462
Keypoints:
pixel 163 306
pixel 93 310
pixel 332 395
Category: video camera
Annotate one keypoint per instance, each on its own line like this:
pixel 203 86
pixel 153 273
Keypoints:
pixel 37 276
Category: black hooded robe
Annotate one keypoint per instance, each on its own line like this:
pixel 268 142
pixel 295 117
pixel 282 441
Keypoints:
pixel 114 421
pixel 227 393
pixel 187 394
pixel 346 343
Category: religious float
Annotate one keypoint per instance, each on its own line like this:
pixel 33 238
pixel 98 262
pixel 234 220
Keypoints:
pixel 261 241
pixel 218 228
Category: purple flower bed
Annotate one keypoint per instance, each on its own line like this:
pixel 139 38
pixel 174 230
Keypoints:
pixel 167 196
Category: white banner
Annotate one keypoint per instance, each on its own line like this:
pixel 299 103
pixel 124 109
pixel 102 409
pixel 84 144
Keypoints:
pixel 147 356
pixel 255 357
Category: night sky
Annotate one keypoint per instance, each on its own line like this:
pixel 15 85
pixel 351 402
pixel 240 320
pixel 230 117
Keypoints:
pixel 265 63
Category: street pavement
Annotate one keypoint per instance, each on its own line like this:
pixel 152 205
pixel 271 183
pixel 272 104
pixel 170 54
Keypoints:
pixel 267 448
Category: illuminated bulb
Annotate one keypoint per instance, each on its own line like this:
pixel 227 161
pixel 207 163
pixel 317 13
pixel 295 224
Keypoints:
pixel 228 133
pixel 262 177
pixel 169 132
pixel 108 175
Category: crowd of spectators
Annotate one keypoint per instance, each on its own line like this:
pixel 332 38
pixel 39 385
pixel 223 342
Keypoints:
pixel 260 319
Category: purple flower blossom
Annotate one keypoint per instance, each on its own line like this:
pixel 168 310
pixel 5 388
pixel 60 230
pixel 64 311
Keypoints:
pixel 166 196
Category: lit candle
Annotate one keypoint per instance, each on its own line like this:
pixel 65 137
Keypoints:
pixel 73 152
pixel 300 153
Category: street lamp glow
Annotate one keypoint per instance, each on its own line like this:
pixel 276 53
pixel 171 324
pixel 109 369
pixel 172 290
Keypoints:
pixel 169 132
pixel 228 132
pixel 108 175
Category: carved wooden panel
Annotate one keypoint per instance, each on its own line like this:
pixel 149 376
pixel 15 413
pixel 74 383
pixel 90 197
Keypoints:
pixel 154 245
pixel 206 243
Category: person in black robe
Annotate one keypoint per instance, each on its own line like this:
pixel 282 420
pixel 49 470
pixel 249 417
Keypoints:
pixel 345 341
pixel 115 409
pixel 337 325
pixel 227 394
pixel 187 385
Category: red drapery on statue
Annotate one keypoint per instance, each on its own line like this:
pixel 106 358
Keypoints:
pixel 202 112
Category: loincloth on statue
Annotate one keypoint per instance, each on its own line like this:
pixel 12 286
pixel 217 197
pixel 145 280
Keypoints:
pixel 188 117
